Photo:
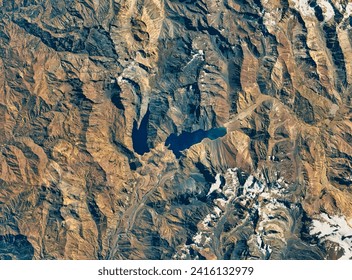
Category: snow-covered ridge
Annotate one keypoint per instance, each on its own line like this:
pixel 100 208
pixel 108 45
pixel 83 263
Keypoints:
pixel 227 190
pixel 306 10
pixel 348 10
pixel 216 185
pixel 303 7
pixel 251 202
pixel 334 229
pixel 328 10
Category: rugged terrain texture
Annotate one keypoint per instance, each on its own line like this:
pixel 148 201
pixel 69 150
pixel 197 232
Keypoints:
pixel 91 89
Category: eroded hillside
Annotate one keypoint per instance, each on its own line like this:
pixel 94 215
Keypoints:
pixel 92 90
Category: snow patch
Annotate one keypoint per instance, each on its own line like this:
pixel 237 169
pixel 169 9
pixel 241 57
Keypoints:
pixel 264 248
pixel 334 229
pixel 348 10
pixel 216 185
pixel 269 20
pixel 200 53
pixel 328 10
pixel 303 7
pixel 251 188
pixel 217 211
pixel 254 187
pixel 197 238
pixel 221 203
pixel 248 182
pixel 207 240
pixel 206 220
pixel 265 195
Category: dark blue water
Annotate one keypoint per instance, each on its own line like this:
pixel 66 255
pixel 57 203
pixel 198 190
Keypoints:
pixel 140 135
pixel 185 140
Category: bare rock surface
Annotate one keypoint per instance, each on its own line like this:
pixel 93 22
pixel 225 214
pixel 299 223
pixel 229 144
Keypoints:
pixel 91 91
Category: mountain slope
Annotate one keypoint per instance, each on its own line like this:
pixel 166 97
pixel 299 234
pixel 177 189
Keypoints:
pixel 92 90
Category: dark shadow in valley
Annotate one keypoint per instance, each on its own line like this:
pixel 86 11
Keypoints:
pixel 15 247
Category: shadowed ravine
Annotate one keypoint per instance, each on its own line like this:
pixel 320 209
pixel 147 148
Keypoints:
pixel 175 129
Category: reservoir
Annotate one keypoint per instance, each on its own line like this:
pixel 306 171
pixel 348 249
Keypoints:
pixel 140 135
pixel 185 140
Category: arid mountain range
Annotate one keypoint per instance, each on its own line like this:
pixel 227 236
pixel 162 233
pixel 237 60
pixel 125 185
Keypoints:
pixel 175 129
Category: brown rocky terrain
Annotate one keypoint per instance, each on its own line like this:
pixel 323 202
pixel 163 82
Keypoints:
pixel 92 90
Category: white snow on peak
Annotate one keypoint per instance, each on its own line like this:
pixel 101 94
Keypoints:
pixel 303 7
pixel 334 229
pixel 269 20
pixel 259 240
pixel 261 197
pixel 221 202
pixel 216 186
pixel 248 182
pixel 207 240
pixel 252 188
pixel 264 248
pixel 328 10
pixel 197 238
pixel 217 211
pixel 206 221
pixel 265 195
pixel 200 54
pixel 348 10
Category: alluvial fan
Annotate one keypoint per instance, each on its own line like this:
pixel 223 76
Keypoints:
pixel 175 129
